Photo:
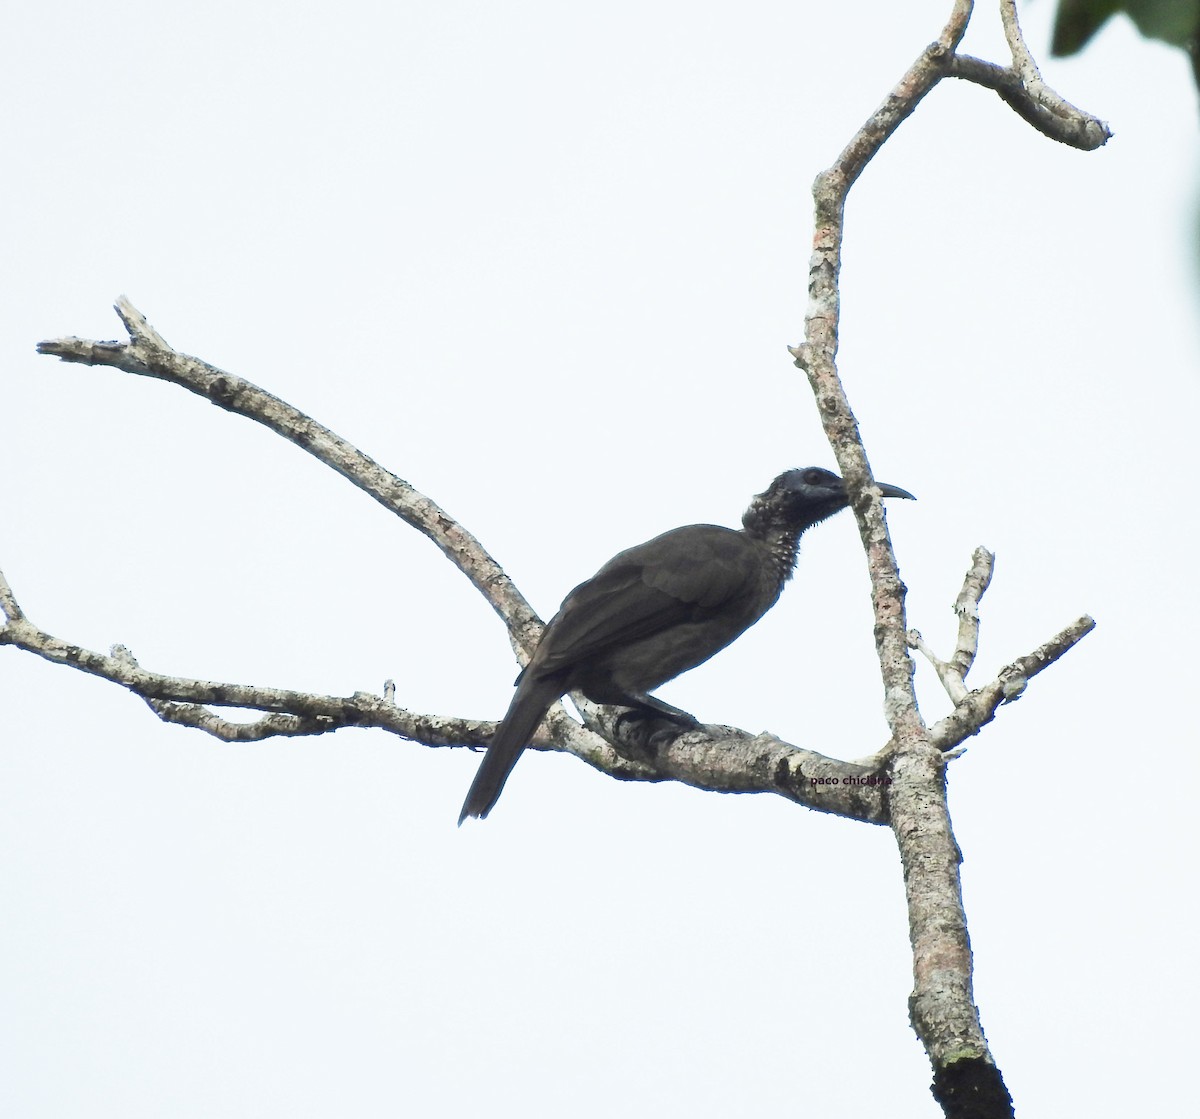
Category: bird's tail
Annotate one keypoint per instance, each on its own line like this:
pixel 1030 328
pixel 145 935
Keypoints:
pixel 531 702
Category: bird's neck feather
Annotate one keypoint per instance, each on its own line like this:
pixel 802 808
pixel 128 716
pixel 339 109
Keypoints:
pixel 765 522
pixel 783 545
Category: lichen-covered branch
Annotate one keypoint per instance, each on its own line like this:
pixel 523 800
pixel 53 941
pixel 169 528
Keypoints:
pixel 966 606
pixel 148 355
pixel 1076 128
pixel 953 672
pixel 818 357
pixel 1088 131
pixel 720 759
pixel 975 709
pixel 944 1015
pixel 979 707
pixel 181 699
pixel 1020 86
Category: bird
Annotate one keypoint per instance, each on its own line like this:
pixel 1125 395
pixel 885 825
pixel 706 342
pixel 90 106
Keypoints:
pixel 657 610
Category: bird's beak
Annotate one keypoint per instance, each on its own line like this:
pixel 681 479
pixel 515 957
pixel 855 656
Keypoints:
pixel 894 491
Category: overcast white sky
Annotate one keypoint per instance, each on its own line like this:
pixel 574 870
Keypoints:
pixel 543 260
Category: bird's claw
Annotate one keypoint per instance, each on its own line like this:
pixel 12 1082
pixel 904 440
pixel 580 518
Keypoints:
pixel 639 734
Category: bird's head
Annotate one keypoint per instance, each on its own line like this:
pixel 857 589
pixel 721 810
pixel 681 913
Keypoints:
pixel 799 499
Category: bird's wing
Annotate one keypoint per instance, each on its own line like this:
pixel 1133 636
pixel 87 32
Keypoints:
pixel 685 575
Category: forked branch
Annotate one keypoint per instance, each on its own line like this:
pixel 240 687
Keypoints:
pixel 943 1011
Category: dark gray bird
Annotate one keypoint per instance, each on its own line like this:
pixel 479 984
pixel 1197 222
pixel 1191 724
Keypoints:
pixel 658 609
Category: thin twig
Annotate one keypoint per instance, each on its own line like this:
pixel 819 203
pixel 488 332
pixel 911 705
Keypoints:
pixel 946 673
pixel 1076 129
pixel 979 707
pixel 8 602
pixel 1031 78
pixel 953 672
pixel 966 606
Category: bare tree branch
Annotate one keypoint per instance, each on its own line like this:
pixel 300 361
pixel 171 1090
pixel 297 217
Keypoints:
pixel 720 759
pixel 148 355
pixel 974 710
pixel 817 356
pixel 978 708
pixel 8 602
pixel 1021 87
pixel 943 1011
pixel 1031 79
pixel 1076 129
pixel 952 673
pixel 195 715
pixel 966 606
pixel 289 712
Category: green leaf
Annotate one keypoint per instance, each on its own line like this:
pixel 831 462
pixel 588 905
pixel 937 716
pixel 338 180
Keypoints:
pixel 1173 21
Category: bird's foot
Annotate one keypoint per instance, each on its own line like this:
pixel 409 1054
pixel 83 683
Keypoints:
pixel 640 734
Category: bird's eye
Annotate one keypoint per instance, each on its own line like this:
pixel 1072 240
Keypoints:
pixel 813 477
